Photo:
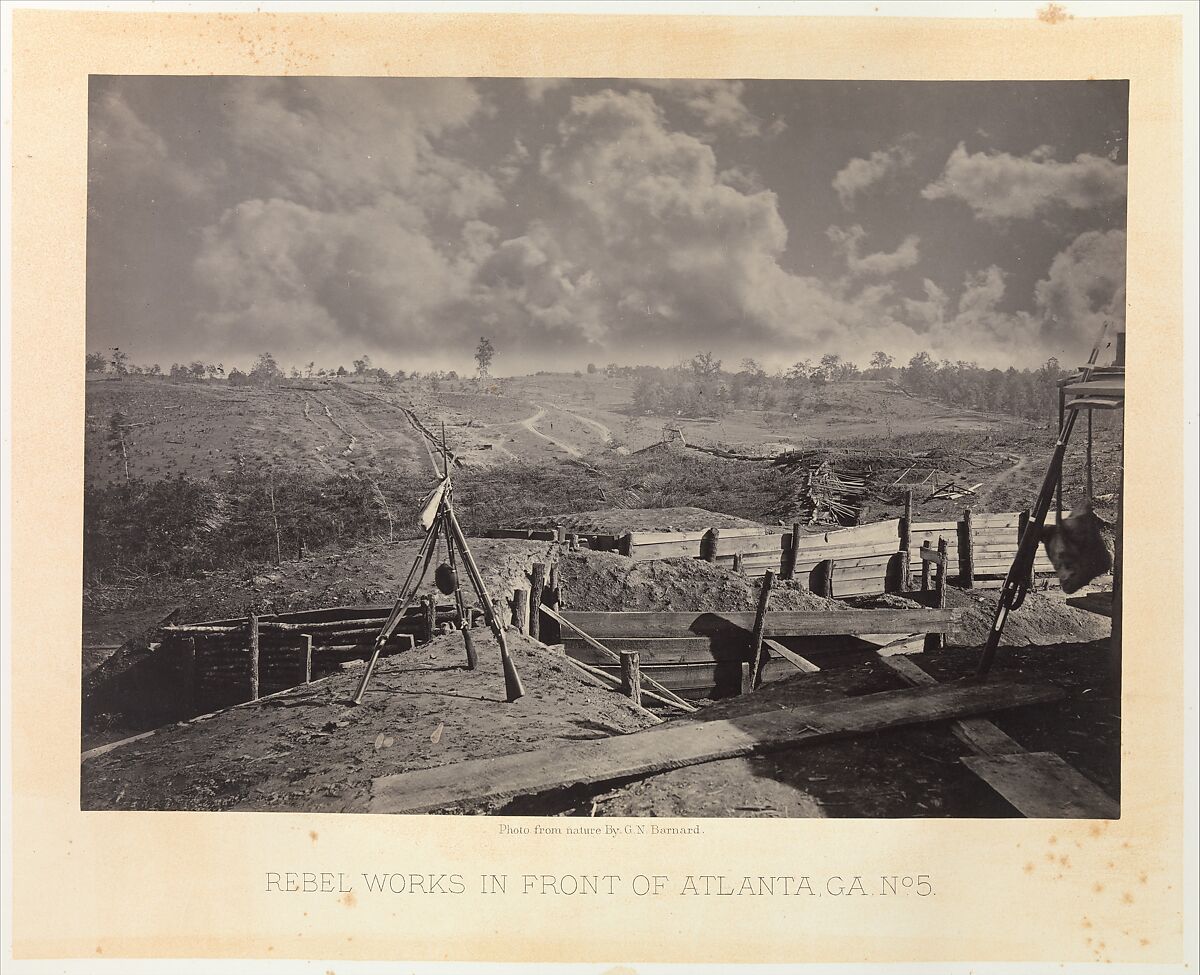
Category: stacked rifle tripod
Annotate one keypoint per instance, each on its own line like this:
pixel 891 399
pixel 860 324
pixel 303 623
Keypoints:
pixel 444 526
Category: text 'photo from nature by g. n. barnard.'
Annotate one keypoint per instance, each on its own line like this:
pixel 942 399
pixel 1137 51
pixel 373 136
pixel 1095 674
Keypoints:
pixel 604 447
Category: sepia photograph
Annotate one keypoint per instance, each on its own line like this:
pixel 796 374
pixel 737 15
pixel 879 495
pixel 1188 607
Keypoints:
pixel 604 447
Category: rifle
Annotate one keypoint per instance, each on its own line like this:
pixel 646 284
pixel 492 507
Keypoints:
pixel 1016 583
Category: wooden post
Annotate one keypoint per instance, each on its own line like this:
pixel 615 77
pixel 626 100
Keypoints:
pixel 252 622
pixel 520 611
pixel 939 639
pixel 925 568
pixel 631 675
pixel 537 590
pixel 747 684
pixel 793 551
pixel 737 562
pixel 560 533
pixel 966 551
pixel 709 544
pixel 573 542
pixel 1022 527
pixel 301 548
pixel 825 579
pixel 625 545
pixel 428 617
pixel 906 542
pixel 757 655
pixel 306 656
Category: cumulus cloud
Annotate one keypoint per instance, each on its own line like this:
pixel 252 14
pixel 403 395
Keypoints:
pixel 847 240
pixel 1085 286
pixel 717 104
pixel 859 174
pixel 124 148
pixel 998 186
pixel 360 215
pixel 363 230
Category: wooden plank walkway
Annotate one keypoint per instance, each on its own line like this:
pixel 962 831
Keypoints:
pixel 595 763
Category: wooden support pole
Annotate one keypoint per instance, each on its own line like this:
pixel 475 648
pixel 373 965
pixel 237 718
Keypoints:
pixel 906 542
pixel 252 622
pixel 560 533
pixel 631 675
pixel 306 657
pixel 1062 409
pixel 573 542
pixel 709 544
pixel 793 551
pixel 966 551
pixel 926 548
pixel 520 611
pixel 737 562
pixel 939 639
pixel 625 545
pixel 941 574
pixel 758 654
pixel 747 685
pixel 537 591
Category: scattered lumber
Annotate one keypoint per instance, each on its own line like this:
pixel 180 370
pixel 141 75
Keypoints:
pixel 596 763
pixel 1040 785
pixel 671 697
pixel 802 664
pixel 978 734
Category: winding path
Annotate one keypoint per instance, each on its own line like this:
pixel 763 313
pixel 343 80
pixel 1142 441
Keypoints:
pixel 528 424
pixel 605 432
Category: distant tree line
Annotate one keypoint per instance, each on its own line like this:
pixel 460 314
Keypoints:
pixel 266 371
pixel 701 387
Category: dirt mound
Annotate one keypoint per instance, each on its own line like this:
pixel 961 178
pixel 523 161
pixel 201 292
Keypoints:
pixel 615 521
pixel 606 582
pixel 1044 618
pixel 310 750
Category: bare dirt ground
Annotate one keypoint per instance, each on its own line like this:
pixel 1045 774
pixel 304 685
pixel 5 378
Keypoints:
pixel 310 749
pixel 307 749
pixel 208 427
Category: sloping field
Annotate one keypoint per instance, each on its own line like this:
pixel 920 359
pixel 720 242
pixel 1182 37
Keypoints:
pixel 206 428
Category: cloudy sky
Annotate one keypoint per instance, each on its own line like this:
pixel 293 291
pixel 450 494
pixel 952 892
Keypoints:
pixel 602 220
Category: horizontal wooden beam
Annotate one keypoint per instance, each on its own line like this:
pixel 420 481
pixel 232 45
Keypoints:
pixel 779 624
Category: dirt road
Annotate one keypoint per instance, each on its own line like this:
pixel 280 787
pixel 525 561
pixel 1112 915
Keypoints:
pixel 528 424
